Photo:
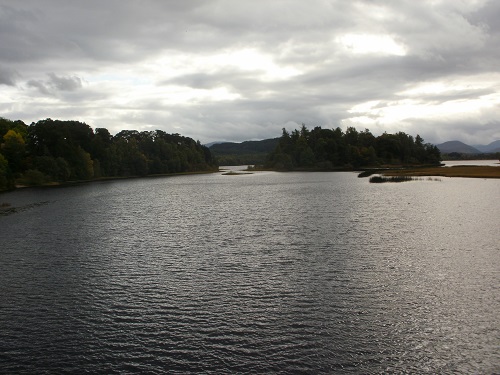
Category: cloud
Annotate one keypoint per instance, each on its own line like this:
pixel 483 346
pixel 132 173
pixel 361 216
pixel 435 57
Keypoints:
pixel 41 86
pixel 8 77
pixel 56 84
pixel 226 70
pixel 65 83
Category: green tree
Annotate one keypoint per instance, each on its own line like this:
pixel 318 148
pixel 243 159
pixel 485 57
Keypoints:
pixel 14 149
pixel 82 167
pixel 6 182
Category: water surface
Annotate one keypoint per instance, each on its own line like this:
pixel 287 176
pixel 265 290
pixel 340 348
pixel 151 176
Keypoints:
pixel 262 273
pixel 482 163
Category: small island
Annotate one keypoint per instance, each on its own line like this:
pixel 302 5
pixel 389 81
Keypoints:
pixel 334 150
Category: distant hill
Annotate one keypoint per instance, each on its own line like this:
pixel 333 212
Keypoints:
pixel 212 143
pixel 247 147
pixel 492 147
pixel 457 146
pixel 248 152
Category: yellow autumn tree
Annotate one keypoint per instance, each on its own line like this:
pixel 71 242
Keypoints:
pixel 14 149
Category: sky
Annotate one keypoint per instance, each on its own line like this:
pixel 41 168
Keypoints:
pixel 227 70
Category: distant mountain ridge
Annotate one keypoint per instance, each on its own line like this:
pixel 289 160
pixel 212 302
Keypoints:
pixel 457 146
pixel 492 147
pixel 462 148
pixel 246 147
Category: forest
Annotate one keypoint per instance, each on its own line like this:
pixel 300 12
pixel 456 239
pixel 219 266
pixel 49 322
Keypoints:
pixel 55 151
pixel 333 149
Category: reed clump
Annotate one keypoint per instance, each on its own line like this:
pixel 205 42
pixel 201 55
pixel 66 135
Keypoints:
pixel 366 173
pixel 382 179
pixel 233 173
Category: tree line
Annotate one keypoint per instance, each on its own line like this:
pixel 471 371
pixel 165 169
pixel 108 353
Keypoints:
pixel 330 149
pixel 59 151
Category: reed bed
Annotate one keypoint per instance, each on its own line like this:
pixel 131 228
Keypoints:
pixel 456 171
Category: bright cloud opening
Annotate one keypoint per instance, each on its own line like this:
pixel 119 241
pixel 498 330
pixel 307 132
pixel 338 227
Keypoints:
pixel 364 107
pixel 477 82
pixel 371 44
pixel 249 60
pixel 252 60
pixel 399 111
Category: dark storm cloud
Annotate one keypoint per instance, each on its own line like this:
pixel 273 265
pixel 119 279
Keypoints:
pixel 234 70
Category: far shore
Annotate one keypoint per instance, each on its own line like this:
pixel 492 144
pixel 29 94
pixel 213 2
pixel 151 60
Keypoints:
pixel 472 171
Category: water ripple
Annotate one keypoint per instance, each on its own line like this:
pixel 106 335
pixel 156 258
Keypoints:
pixel 276 273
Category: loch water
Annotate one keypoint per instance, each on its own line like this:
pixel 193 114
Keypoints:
pixel 261 273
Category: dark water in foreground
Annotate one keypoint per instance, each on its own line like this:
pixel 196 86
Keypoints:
pixel 264 273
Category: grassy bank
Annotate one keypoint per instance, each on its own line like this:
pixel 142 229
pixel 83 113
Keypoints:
pixel 458 171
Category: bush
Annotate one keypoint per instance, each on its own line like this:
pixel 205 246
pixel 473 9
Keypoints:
pixel 381 179
pixel 33 177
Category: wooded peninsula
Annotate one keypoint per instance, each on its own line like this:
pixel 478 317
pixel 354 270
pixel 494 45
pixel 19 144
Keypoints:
pixel 54 151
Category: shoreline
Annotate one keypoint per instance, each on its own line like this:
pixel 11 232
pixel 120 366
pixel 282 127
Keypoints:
pixel 55 184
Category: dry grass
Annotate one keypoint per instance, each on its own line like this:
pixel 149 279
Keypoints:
pixel 458 171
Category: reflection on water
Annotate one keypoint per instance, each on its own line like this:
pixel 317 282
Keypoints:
pixel 269 272
pixel 451 163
